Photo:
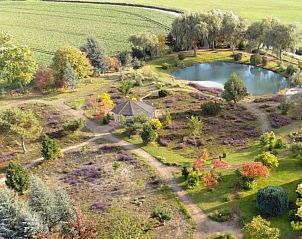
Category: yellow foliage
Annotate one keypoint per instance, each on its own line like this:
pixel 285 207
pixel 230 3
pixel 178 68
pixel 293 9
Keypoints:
pixel 106 102
pixel 75 57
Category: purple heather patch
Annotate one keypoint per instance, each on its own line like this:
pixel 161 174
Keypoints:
pixel 84 174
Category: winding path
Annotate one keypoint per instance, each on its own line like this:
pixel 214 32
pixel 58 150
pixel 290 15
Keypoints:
pixel 205 227
pixel 253 108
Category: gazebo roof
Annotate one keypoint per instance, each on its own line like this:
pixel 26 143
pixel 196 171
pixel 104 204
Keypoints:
pixel 134 108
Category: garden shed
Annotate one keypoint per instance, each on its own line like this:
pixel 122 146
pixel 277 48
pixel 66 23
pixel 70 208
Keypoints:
pixel 132 108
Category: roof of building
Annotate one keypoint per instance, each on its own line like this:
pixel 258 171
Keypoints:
pixel 134 108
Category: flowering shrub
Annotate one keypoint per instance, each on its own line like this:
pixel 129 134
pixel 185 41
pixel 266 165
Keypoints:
pixel 219 164
pixel 279 121
pixel 254 170
pixel 198 96
pixel 213 90
pixel 210 180
pixel 268 160
pixel 201 160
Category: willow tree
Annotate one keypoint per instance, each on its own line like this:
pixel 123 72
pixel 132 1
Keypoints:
pixel 188 30
pixel 213 22
pixel 281 37
pixel 255 33
pixel 233 29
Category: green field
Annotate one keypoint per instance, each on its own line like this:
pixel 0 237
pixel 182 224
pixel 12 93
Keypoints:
pixel 47 26
pixel 287 10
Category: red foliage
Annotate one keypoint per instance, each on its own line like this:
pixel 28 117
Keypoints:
pixel 254 170
pixel 61 84
pixel 44 79
pixel 210 180
pixel 113 62
pixel 80 227
pixel 219 164
pixel 201 160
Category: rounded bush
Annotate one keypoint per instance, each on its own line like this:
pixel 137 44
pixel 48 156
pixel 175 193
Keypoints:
pixel 237 57
pixel 163 93
pixel 181 56
pixel 291 69
pixel 211 108
pixel 268 160
pixel 272 201
pixel 256 60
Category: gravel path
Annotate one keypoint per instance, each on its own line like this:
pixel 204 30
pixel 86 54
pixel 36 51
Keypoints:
pixel 253 107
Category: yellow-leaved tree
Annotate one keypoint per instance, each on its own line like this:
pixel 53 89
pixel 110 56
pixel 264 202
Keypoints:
pixel 106 103
pixel 73 56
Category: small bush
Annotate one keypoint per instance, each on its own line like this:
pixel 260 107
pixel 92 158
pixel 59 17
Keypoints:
pixel 237 57
pixel 73 125
pixel 264 61
pixel 221 215
pixel 291 70
pixel 148 134
pixel 248 184
pixel 300 64
pixel 163 93
pixel 211 108
pixel 136 64
pixel 51 150
pixel 181 56
pixel 296 149
pixel 268 138
pixel 156 124
pixel 284 107
pixel 106 119
pixel 256 60
pixel 193 179
pixel 268 160
pixel 272 201
pixel 185 172
pixel 165 66
pixel 161 214
pixel 17 177
pixel 259 228
pixel 279 144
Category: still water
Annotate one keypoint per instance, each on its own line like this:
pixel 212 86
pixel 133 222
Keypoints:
pixel 258 81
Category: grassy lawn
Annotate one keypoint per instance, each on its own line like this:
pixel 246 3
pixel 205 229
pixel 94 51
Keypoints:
pixel 76 103
pixel 48 26
pixel 164 154
pixel 287 10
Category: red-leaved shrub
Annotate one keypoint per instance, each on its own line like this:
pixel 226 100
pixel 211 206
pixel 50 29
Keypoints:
pixel 219 164
pixel 210 180
pixel 254 170
pixel 44 79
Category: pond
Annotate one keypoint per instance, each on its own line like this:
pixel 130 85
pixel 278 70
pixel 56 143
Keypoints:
pixel 258 81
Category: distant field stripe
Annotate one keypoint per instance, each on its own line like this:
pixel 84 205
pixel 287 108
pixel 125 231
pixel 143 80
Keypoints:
pixel 42 51
pixel 130 13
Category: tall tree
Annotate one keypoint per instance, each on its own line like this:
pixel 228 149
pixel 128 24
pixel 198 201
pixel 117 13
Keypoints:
pixel 233 29
pixel 17 66
pixel 23 124
pixel 71 77
pixel 281 37
pixel 188 30
pixel 147 43
pixel 213 20
pixel 75 58
pixel 234 89
pixel 95 52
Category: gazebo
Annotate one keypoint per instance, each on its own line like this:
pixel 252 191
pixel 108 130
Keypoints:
pixel 132 108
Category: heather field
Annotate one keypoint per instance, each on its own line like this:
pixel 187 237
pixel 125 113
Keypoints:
pixel 45 27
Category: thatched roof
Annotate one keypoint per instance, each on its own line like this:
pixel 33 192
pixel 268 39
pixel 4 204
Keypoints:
pixel 134 108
